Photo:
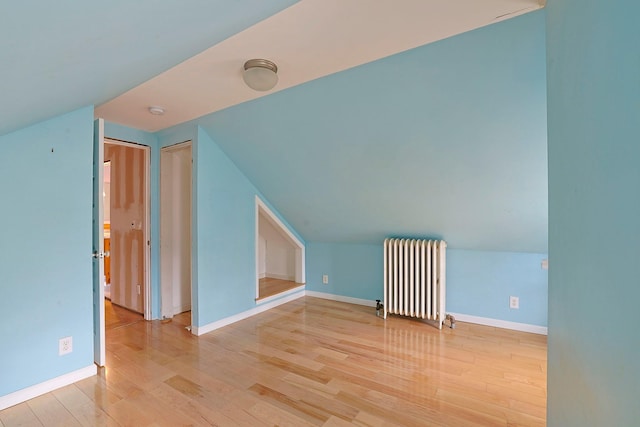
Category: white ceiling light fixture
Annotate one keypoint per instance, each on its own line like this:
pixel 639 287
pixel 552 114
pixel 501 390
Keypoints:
pixel 260 74
pixel 156 111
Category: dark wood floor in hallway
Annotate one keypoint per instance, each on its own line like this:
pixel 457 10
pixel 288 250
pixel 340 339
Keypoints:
pixel 310 362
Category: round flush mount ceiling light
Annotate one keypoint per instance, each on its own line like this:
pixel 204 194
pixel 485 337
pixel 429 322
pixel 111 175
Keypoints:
pixel 156 111
pixel 260 74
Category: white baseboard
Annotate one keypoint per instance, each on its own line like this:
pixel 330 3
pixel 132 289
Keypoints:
pixel 281 294
pixel 47 386
pixel 524 327
pixel 340 298
pixel 279 276
pixel 262 275
pixel 504 324
pixel 200 330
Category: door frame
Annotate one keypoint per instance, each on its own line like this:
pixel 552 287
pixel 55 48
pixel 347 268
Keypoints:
pixel 147 217
pixel 164 151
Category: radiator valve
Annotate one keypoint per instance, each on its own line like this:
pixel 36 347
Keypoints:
pixel 452 321
pixel 379 307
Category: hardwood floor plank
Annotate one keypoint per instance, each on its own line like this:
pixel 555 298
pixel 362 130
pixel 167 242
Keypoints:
pixel 19 415
pixel 323 403
pixel 364 419
pixel 82 408
pixel 275 415
pixel 116 316
pixel 310 362
pixel 127 413
pixel 96 389
pixel 51 412
pixel 295 407
pixel 325 390
pixel 189 408
pixel 337 422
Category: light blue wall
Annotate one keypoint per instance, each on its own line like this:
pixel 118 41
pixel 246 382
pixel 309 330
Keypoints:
pixel 594 213
pixel 226 235
pixel 45 250
pixel 354 270
pixel 127 134
pixel 445 139
pixel 479 283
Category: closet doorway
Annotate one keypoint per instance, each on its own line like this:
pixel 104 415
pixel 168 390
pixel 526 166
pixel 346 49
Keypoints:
pixel 176 229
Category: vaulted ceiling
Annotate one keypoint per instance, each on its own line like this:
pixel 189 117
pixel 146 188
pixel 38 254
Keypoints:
pixel 62 55
pixel 384 121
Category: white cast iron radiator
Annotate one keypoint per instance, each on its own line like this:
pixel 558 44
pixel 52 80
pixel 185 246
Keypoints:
pixel 415 278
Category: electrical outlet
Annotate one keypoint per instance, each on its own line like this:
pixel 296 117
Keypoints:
pixel 138 289
pixel 514 302
pixel 65 346
pixel 325 279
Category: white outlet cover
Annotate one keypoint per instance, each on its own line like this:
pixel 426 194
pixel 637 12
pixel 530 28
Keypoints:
pixel 65 346
pixel 325 279
pixel 514 302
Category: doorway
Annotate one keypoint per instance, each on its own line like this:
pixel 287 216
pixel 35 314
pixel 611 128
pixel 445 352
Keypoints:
pixel 127 228
pixel 122 188
pixel 176 178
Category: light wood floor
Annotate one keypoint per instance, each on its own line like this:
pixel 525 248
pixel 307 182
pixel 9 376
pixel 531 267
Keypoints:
pixel 115 316
pixel 308 362
pixel 269 286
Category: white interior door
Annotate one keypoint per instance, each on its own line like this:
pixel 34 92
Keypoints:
pixel 130 220
pixel 175 229
pixel 98 244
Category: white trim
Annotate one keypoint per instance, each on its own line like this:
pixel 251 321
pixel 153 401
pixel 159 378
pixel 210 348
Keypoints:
pixel 504 324
pixel 46 386
pixel 280 295
pixel 177 146
pixel 147 234
pixel 257 247
pixel 340 298
pixel 301 275
pixel 200 330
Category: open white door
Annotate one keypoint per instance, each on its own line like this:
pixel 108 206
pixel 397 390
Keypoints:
pixel 98 244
